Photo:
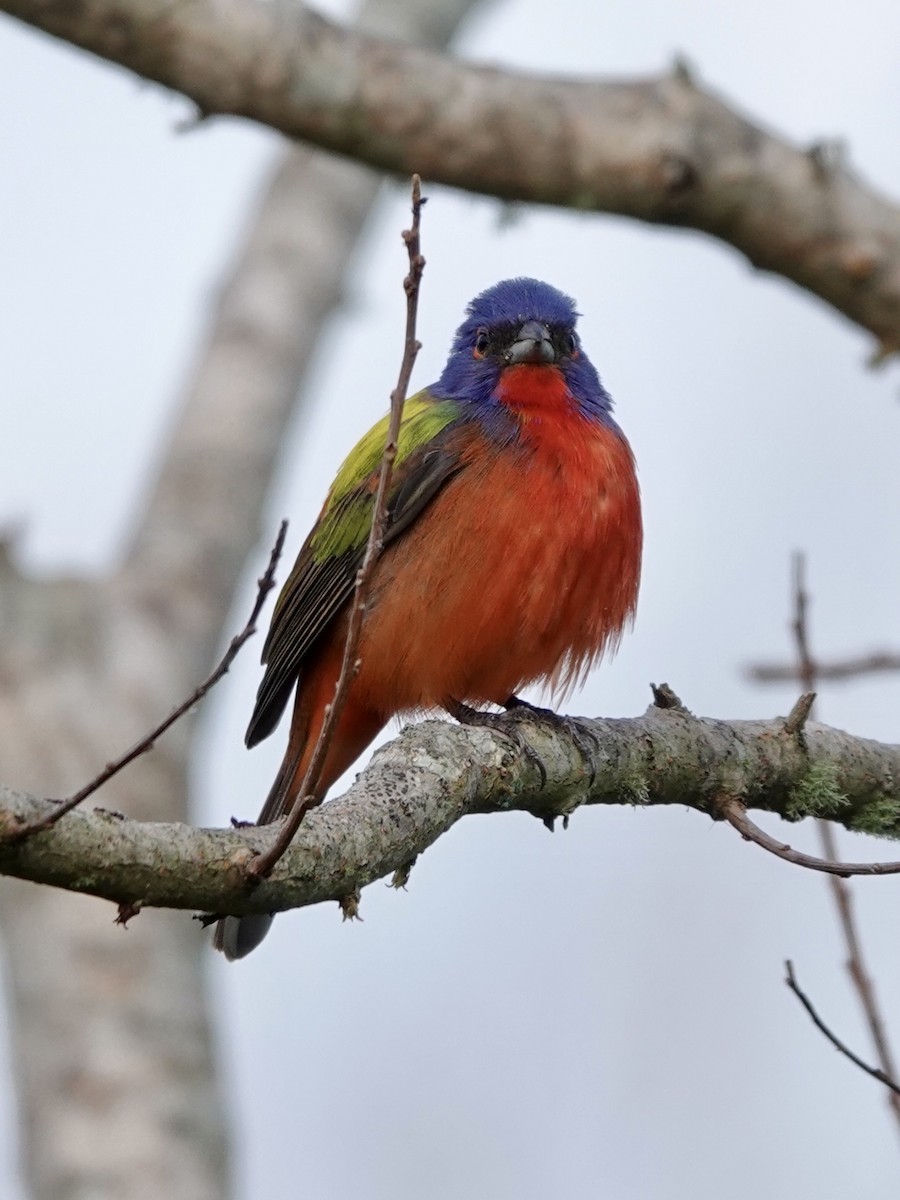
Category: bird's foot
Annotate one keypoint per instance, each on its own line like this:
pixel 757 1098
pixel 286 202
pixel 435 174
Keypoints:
pixel 518 710
pixel 400 878
pixel 503 722
pixel 587 743
pixel 350 906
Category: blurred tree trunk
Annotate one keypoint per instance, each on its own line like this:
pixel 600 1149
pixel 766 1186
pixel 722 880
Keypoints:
pixel 113 1053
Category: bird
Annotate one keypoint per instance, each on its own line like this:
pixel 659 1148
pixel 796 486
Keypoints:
pixel 511 557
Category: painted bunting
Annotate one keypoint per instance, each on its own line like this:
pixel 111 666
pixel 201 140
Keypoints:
pixel 512 554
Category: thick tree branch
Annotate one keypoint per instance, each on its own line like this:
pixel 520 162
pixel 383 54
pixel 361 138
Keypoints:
pixel 661 150
pixel 436 773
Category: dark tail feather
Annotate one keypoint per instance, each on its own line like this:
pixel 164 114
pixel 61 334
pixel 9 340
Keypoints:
pixel 237 936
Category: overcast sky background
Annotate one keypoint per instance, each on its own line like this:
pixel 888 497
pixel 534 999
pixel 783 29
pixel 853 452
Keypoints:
pixel 600 1012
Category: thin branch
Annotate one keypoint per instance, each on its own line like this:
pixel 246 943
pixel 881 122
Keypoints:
pixel 880 1075
pixel 856 968
pixel 264 585
pixel 435 773
pixel 263 864
pixel 661 149
pixel 734 812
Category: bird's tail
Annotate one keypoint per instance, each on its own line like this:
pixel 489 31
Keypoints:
pixel 237 936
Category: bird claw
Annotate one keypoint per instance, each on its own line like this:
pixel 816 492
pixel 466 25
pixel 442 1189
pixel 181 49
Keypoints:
pixel 400 878
pixel 501 723
pixel 586 743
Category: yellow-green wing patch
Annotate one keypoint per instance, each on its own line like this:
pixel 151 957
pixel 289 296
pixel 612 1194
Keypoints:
pixel 323 577
pixel 347 517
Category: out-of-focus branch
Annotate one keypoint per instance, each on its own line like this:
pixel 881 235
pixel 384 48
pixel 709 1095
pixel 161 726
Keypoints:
pixel 661 150
pixel 879 662
pixel 841 893
pixel 857 970
pixel 436 773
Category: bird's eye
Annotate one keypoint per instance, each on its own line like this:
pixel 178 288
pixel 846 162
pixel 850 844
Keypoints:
pixel 482 341
pixel 571 343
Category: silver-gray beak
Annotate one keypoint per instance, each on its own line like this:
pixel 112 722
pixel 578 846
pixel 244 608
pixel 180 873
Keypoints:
pixel 532 345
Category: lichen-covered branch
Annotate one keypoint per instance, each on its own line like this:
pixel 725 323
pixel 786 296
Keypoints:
pixel 662 149
pixel 434 774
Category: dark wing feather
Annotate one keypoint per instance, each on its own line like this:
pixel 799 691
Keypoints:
pixel 317 590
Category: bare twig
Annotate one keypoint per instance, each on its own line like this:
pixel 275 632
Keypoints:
pixel 261 865
pixel 795 721
pixel 734 812
pixel 264 585
pixel 875 1072
pixel 841 893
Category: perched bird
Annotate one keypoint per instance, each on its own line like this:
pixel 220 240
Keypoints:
pixel 512 553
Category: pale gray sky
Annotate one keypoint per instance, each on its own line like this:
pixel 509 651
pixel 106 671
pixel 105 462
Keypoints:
pixel 601 1012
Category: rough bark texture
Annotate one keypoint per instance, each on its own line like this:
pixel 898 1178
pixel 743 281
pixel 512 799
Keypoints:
pixel 418 786
pixel 111 1043
pixel 661 150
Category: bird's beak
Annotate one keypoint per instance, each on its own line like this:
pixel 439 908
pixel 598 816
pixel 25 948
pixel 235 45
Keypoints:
pixel 532 345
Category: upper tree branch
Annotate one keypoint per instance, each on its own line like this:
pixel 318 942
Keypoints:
pixel 433 774
pixel 661 150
